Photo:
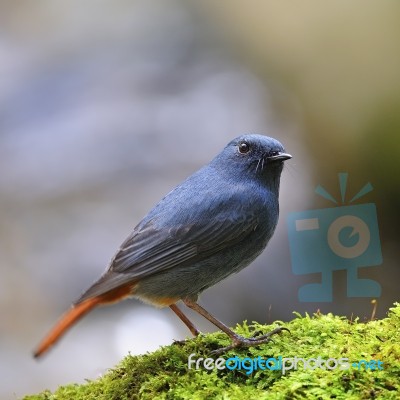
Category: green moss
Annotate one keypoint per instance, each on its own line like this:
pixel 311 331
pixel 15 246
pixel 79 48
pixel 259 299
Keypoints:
pixel 164 374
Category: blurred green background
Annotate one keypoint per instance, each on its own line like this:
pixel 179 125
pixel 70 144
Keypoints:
pixel 105 106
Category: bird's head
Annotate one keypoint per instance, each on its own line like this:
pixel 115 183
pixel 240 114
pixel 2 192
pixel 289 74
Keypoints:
pixel 258 155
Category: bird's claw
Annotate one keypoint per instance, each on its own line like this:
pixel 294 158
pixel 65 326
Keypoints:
pixel 180 342
pixel 240 341
pixel 269 334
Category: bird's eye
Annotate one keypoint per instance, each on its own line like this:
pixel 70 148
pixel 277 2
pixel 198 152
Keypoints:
pixel 273 153
pixel 244 147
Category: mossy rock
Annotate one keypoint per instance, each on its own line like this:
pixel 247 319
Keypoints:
pixel 164 374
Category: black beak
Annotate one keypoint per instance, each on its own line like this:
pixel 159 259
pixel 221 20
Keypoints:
pixel 279 157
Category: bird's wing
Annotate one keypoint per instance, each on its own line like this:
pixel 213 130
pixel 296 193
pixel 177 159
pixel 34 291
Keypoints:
pixel 151 249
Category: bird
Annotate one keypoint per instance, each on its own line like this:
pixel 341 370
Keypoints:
pixel 214 224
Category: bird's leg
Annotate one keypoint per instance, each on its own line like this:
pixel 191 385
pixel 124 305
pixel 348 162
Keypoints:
pixel 185 319
pixel 237 340
pixel 194 306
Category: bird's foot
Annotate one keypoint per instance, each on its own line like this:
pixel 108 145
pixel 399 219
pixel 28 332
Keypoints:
pixel 240 341
pixel 182 342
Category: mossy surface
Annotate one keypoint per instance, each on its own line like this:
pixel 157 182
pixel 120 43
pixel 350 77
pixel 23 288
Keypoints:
pixel 164 374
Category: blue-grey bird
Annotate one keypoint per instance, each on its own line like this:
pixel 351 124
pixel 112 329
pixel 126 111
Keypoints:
pixel 212 225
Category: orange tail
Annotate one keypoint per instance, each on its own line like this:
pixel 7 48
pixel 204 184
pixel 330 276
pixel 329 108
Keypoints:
pixel 77 312
pixel 66 321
